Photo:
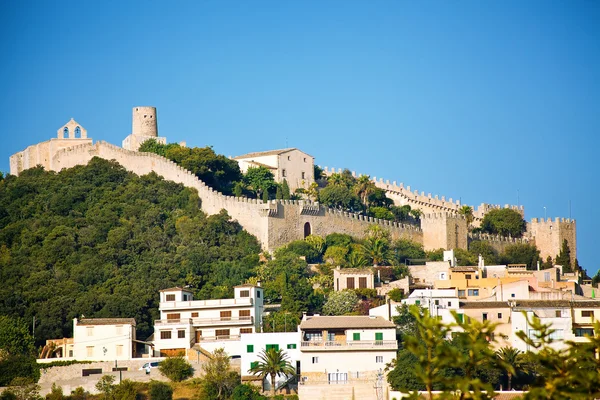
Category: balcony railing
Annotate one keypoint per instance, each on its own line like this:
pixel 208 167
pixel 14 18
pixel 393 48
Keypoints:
pixel 349 345
pixel 183 305
pixel 220 337
pixel 248 320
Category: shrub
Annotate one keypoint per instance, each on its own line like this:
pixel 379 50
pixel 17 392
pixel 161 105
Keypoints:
pixel 79 393
pixel 18 366
pixel 56 393
pixel 396 294
pixel 246 392
pixel 160 391
pixel 176 369
pixel 126 390
pixel 61 363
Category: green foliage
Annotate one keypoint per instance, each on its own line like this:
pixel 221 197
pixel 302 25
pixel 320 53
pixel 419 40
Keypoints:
pixel 564 257
pixel 317 243
pixel 79 393
pixel 272 363
pixel 402 213
pixel 514 360
pixel 464 257
pixel 216 170
pixel 319 173
pixel 489 254
pixel 338 239
pixel 246 391
pixel 260 180
pixel 281 321
pixel 126 390
pixel 339 196
pixel 402 376
pixel 336 255
pixel 435 255
pixel 381 213
pixel 406 249
pixel 504 221
pixel 176 369
pixel 61 363
pixel 340 303
pixel 15 338
pixel 396 294
pixel 106 386
pixel 376 251
pixel 467 212
pixel 15 366
pixel 304 248
pixel 160 391
pixel 23 389
pixel 285 189
pixel 366 293
pixel 56 393
pixel 99 241
pixel 521 254
pixel 218 381
pixel 278 193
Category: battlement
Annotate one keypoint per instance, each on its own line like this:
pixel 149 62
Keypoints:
pixel 496 238
pixel 551 221
pixel 442 215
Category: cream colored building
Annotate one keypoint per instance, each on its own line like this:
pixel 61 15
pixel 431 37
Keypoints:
pixel 144 126
pixel 353 278
pixel 186 323
pixel 291 164
pixel 103 339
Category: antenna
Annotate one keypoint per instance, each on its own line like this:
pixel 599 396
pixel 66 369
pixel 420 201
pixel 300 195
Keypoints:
pixel 569 208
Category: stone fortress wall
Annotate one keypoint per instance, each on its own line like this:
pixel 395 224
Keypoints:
pixel 278 222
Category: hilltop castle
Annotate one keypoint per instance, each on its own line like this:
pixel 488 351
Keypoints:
pixel 280 221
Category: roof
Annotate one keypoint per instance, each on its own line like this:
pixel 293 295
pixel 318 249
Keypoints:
pixel 345 322
pixel 106 321
pixel 258 164
pixel 176 288
pixel 246 285
pixel 268 153
pixel 464 269
pixel 347 271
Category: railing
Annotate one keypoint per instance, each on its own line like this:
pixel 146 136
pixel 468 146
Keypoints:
pixel 220 337
pixel 246 301
pixel 207 321
pixel 350 345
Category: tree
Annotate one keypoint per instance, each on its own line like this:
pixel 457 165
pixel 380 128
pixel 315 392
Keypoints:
pixel 340 303
pixel 406 249
pixel 402 376
pixel 376 251
pixel 339 196
pixel 467 212
pixel 160 391
pixel 246 391
pixel 106 386
pixel 514 358
pixel 363 188
pixel 216 373
pixel 504 222
pixel 521 254
pixel 396 294
pixel 17 359
pixel 260 180
pixel 285 189
pixel 381 213
pixel 273 363
pixel 564 257
pixel 318 172
pixel 489 254
pixel 176 369
pixel 281 321
pixel 336 255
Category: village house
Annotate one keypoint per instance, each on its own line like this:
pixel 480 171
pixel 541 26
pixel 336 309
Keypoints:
pixel 353 278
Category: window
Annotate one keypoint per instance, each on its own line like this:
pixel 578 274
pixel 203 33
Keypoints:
pixel 378 359
pixel 499 315
pixel 546 276
pixel 70 353
pixel 580 332
pixel 473 292
pixel 315 360
pixel 512 295
pixel 330 336
pixel 558 334
pixel 249 348
pixel 378 335
pixel 170 297
pixel 181 334
pixel 356 336
pixel 174 316
pixel 437 302
pixel 291 346
pixel 587 313
pixel 119 330
pixel 350 283
pixel 461 293
pixel 304 159
pixel 165 334
pixel 254 364
pixel 484 316
pixel 288 158
pixel 362 282
pixel 89 351
pixel 222 333
pixel 272 346
pixel 314 336
pixel 283 173
pixel 468 276
pixel 66 132
pixel 418 302
pixel 194 315
pixel 119 350
pixel 77 132
pixel 557 314
pixel 244 314
pixel 244 293
pixel 89 331
pixel 186 297
pixel 302 174
pixel 225 315
pixel 245 330
pixel 258 294
pixel 449 304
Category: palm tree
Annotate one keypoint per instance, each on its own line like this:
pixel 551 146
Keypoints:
pixel 273 363
pixel 376 250
pixel 357 260
pixel 364 188
pixel 467 212
pixel 512 360
pixel 335 179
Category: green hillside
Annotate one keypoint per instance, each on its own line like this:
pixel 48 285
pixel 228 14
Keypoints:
pixel 99 241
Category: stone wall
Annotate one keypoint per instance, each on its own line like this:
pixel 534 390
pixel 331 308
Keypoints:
pixel 444 230
pixel 549 234
pixel 498 243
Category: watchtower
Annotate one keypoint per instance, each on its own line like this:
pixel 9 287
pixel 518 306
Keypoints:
pixel 144 126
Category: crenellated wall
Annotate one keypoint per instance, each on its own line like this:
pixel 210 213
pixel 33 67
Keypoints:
pixel 549 234
pixel 444 230
pixel 499 243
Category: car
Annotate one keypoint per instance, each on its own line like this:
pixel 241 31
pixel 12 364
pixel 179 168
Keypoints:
pixel 153 364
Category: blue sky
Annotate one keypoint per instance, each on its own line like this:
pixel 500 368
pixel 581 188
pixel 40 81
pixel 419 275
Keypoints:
pixel 471 100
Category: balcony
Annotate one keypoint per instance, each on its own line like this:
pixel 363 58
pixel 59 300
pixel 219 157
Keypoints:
pixel 222 321
pixel 316 345
pixel 218 338
pixel 199 304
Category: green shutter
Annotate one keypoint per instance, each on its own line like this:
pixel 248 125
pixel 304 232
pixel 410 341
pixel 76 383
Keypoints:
pixel 253 364
pixel 356 336
pixel 378 335
pixel 418 302
pixel 291 346
pixel 250 348
pixel 272 346
pixel 460 317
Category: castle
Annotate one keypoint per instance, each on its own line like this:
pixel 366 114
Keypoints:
pixel 278 222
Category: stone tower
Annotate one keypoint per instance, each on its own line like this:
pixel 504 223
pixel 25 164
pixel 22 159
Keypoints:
pixel 549 235
pixel 144 126
pixel 444 230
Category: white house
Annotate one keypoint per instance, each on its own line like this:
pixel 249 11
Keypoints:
pixel 343 349
pixel 353 278
pixel 103 339
pixel 185 322
pixel 291 164
pixel 254 344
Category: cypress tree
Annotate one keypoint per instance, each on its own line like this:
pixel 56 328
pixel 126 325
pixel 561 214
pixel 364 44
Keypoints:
pixel 564 257
pixel 285 190
pixel 279 193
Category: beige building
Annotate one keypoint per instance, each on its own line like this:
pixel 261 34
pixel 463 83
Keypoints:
pixel 291 164
pixel 353 278
pixel 186 323
pixel 144 126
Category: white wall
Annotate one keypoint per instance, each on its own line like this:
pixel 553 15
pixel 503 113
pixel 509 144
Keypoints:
pixel 345 361
pixel 101 337
pixel 259 342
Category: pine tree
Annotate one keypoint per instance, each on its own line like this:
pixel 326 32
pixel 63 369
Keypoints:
pixel 285 190
pixel 564 257
pixel 278 193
